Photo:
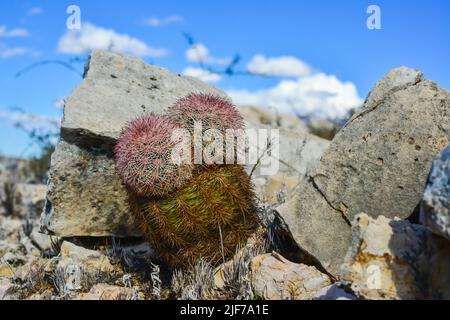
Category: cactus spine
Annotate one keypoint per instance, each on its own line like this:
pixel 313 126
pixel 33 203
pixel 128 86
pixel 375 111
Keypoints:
pixel 143 157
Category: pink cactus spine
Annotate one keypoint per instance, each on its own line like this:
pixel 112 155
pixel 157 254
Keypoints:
pixel 143 157
pixel 213 111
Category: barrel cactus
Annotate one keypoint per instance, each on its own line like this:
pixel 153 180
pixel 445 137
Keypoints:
pixel 143 157
pixel 187 212
pixel 212 111
pixel 207 218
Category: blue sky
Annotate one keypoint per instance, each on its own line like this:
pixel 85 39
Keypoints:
pixel 308 47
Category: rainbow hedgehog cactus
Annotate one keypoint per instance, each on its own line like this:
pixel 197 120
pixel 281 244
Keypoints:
pixel 143 157
pixel 211 111
pixel 187 212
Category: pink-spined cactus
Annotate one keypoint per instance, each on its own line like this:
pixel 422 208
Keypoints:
pixel 143 157
pixel 212 111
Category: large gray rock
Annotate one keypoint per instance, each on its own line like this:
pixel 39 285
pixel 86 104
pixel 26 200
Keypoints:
pixel 435 208
pixel 298 154
pixel 85 196
pixel 394 259
pixel 380 160
pixel 377 163
pixel 15 170
pixel 24 200
pixel 116 89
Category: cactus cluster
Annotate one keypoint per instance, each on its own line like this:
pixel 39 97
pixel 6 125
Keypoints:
pixel 187 212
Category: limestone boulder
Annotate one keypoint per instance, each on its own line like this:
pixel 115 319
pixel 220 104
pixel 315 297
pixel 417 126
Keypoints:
pixel 377 164
pixel 379 161
pixel 395 259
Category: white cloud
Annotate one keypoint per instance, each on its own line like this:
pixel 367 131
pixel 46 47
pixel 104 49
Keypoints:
pixel 59 103
pixel 35 11
pixel 12 52
pixel 201 74
pixel 284 66
pixel 12 33
pixel 200 53
pixel 319 94
pixel 91 37
pixel 158 22
pixel 197 53
pixel 30 121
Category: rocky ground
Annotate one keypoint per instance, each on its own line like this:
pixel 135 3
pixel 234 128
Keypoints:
pixel 363 216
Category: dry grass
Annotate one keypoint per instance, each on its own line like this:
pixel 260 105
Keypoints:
pixel 196 283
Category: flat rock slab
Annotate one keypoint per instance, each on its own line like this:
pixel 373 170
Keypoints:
pixel 116 89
